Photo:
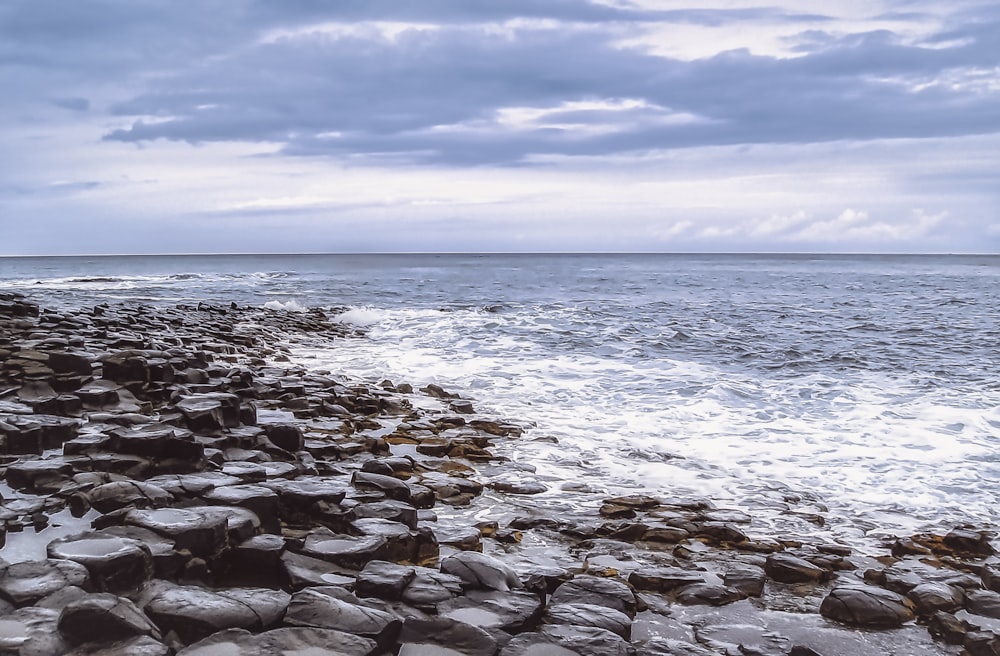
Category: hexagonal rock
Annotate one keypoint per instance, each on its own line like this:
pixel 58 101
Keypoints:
pixel 116 564
pixel 983 602
pixel 323 607
pixel 601 617
pixel 478 570
pixel 932 597
pixel 295 640
pixel 748 579
pixel 25 583
pixel 138 646
pixel 258 499
pixel 786 568
pixel 867 607
pixel 566 640
pixel 448 633
pixel 119 494
pixel 194 613
pixel 199 533
pixel 384 580
pixel 664 579
pixel 512 611
pixel 31 632
pixel 104 617
pixel 608 592
pixel 708 594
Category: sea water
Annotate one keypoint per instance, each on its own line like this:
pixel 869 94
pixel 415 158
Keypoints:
pixel 862 392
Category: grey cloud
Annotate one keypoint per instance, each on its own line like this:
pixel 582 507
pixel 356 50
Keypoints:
pixel 385 97
pixel 72 104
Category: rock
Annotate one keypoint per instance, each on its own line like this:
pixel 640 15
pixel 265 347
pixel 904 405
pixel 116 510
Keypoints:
pixel 968 541
pixel 195 613
pixel 256 562
pixel 867 607
pixel 982 643
pixel 115 564
pixel 258 499
pixel 316 607
pixel 119 494
pixel 559 640
pixel 138 646
pixel 303 571
pixel 708 593
pixel 983 602
pixel 478 570
pixel 448 633
pixel 609 592
pixel 430 587
pixel 512 611
pixel 346 550
pixel 748 579
pixel 786 568
pixel 932 597
pixel 286 436
pixel 210 412
pixel 104 617
pixel 590 615
pixel 298 641
pixel 948 628
pixel 200 533
pixel 664 579
pixel 31 632
pixel 384 580
pixel 25 583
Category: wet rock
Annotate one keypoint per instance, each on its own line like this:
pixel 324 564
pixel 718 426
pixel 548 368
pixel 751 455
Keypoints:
pixel 125 367
pixel 610 592
pixel 430 587
pixel 512 611
pixel 932 597
pixel 197 532
pixel 302 571
pixel 289 437
pixel 590 615
pixel 318 607
pixel 982 643
pixel 346 550
pixel 448 633
pixel 963 540
pixel 384 580
pixel 258 499
pixel 138 646
pixel 115 564
pixel 522 486
pixel 38 474
pixel 31 632
pixel 393 488
pixel 478 570
pixel 558 640
pixel 193 613
pixel 25 583
pixel 786 568
pixel 396 511
pixel 709 594
pixel 104 617
pixel 301 641
pixel 748 579
pixel 867 607
pixel 257 561
pixel 120 494
pixel 210 412
pixel 465 538
pixel 983 602
pixel 948 628
pixel 240 524
pixel 664 579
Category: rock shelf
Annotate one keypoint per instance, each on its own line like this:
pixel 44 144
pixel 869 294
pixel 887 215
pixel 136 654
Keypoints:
pixel 175 484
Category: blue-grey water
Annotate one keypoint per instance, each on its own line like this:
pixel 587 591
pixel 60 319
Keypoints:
pixel 862 388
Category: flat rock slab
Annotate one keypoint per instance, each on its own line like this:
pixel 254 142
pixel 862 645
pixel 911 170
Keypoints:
pixel 116 564
pixel 346 550
pixel 199 533
pixel 568 640
pixel 512 611
pixel 601 617
pixel 448 633
pixel 25 583
pixel 120 494
pixel 104 617
pixel 140 646
pixel 316 607
pixel 31 632
pixel 607 592
pixel 301 641
pixel 194 613
pixel 786 568
pixel 867 607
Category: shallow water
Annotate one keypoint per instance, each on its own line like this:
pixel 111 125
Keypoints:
pixel 865 385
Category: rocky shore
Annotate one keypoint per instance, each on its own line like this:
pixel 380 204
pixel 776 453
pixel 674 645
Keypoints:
pixel 175 484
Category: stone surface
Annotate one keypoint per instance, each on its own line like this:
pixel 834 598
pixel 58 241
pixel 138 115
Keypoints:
pixel 867 607
pixel 480 571
pixel 26 582
pixel 104 617
pixel 116 564
pixel 609 592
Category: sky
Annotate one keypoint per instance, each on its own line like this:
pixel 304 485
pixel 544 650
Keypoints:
pixel 232 126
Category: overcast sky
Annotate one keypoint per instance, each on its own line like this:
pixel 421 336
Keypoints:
pixel 150 126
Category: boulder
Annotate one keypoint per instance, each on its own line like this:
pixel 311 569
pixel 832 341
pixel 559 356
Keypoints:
pixel 608 592
pixel 478 570
pixel 116 564
pixel 25 583
pixel 867 607
pixel 104 617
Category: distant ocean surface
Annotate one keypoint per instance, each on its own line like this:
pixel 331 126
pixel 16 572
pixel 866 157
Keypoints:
pixel 864 389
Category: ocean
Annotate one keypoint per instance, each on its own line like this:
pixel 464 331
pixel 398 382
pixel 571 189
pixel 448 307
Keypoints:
pixel 852 397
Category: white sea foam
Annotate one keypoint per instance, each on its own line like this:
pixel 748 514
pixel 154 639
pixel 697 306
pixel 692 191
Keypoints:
pixel 291 305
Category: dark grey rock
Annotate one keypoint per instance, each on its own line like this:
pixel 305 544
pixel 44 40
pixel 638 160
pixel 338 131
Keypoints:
pixel 983 602
pixel 346 550
pixel 932 597
pixel 590 615
pixel 258 499
pixel 708 593
pixel 104 617
pixel 32 632
pixel 313 607
pixel 512 611
pixel 25 583
pixel 478 570
pixel 867 607
pixel 138 646
pixel 609 592
pixel 786 568
pixel 664 579
pixel 194 613
pixel 748 579
pixel 384 580
pixel 197 532
pixel 565 640
pixel 448 633
pixel 116 564
pixel 293 640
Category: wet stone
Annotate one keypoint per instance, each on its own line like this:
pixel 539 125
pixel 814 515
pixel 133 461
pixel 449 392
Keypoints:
pixel 138 646
pixel 396 511
pixel 316 607
pixel 983 602
pixel 38 474
pixel 590 615
pixel 867 607
pixel 27 582
pixel 708 593
pixel 664 579
pixel 932 597
pixel 384 580
pixel 563 640
pixel 610 592
pixel 478 570
pixel 31 632
pixel 119 494
pixel 300 641
pixel 116 564
pixel 968 541
pixel 258 499
pixel 104 617
pixel 257 561
pixel 194 613
pixel 346 550
pixel 512 611
pixel 748 579
pixel 429 588
pixel 786 568
pixel 199 533
pixel 447 633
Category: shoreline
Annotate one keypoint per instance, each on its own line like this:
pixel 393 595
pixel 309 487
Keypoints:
pixel 206 461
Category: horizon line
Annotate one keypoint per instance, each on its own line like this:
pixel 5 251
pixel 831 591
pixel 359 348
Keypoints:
pixel 389 253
